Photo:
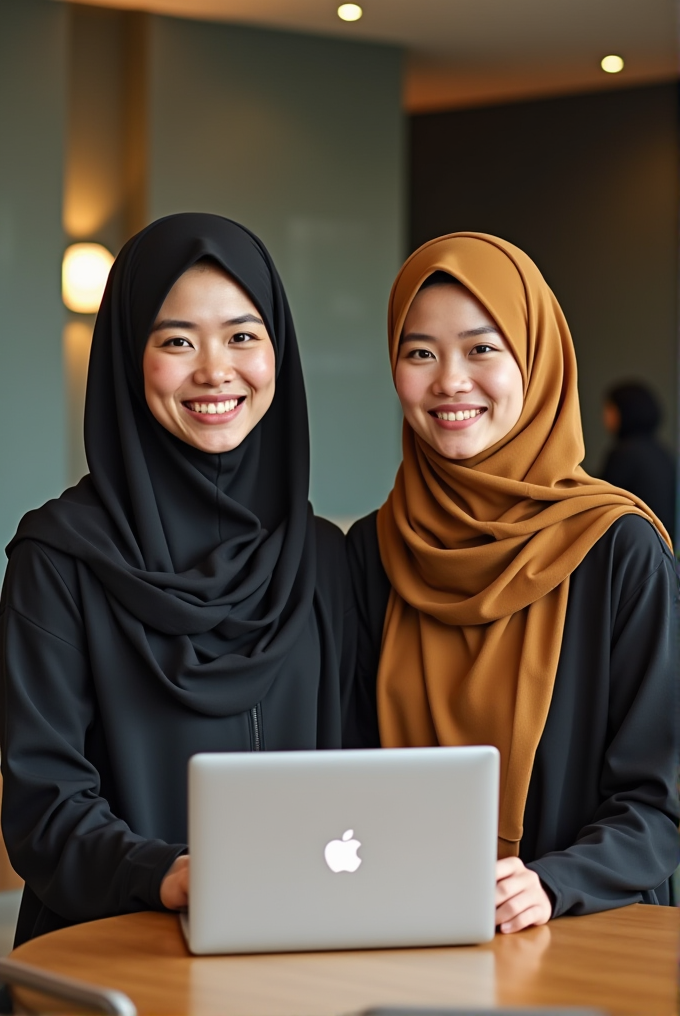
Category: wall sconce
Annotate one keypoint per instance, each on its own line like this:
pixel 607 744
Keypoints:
pixel 84 272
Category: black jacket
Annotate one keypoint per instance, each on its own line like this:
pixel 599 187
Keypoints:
pixel 600 825
pixel 94 802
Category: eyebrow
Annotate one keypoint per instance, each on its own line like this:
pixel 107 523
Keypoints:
pixel 420 336
pixel 173 323
pixel 483 330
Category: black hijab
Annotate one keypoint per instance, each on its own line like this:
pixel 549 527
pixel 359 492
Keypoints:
pixel 207 561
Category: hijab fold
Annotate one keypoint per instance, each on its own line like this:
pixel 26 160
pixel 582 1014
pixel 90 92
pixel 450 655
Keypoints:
pixel 205 564
pixel 479 552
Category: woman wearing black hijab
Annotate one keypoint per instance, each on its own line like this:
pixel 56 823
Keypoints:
pixel 182 597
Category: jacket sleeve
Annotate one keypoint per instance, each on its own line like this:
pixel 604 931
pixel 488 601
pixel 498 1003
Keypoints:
pixel 79 859
pixel 628 850
pixel 371 590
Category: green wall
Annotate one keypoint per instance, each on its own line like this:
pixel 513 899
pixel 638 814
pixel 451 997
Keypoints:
pixel 588 186
pixel 299 138
pixel 32 117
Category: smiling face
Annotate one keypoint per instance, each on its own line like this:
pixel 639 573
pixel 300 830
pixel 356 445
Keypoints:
pixel 209 364
pixel 457 380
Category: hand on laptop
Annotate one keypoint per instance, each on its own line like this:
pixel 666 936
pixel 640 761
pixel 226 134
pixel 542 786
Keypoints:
pixel 175 885
pixel 521 900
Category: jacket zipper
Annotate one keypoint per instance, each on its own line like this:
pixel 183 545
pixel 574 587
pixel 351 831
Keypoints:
pixel 257 746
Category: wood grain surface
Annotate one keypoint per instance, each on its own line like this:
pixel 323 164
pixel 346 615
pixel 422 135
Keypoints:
pixel 622 961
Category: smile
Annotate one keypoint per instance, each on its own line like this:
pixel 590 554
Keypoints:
pixel 215 408
pixel 461 414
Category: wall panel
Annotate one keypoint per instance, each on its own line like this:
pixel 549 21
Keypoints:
pixel 299 138
pixel 33 55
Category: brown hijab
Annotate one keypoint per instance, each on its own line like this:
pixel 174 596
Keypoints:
pixel 479 551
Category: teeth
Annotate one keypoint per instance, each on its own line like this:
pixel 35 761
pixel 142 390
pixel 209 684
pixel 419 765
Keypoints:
pixel 461 414
pixel 213 407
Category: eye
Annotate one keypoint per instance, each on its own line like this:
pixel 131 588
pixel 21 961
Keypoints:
pixel 241 338
pixel 483 347
pixel 177 343
pixel 420 354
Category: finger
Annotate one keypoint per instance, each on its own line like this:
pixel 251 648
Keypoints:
pixel 525 919
pixel 181 892
pixel 513 885
pixel 515 905
pixel 507 866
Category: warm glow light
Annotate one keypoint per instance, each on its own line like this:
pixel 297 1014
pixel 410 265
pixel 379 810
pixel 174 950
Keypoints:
pixel 349 12
pixel 611 64
pixel 84 272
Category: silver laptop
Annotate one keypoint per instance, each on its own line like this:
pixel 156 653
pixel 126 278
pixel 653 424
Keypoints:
pixel 341 849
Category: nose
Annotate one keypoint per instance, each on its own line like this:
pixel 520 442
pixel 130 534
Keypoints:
pixel 452 377
pixel 215 368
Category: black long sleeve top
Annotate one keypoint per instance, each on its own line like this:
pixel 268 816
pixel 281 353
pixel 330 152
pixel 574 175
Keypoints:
pixel 94 807
pixel 601 818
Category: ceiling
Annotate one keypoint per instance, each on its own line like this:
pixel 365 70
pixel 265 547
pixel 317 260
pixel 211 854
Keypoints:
pixel 468 52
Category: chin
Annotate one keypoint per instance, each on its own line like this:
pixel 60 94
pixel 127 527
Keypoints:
pixel 213 444
pixel 451 449
pixel 457 453
pixel 218 447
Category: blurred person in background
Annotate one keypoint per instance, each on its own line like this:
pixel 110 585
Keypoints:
pixel 638 462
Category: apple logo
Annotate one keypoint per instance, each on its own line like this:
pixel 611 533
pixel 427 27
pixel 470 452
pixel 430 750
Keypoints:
pixel 341 855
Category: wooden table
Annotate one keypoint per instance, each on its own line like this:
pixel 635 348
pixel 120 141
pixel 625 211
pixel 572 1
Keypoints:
pixel 623 961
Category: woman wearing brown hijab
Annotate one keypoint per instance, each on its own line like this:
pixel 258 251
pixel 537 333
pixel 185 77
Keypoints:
pixel 508 598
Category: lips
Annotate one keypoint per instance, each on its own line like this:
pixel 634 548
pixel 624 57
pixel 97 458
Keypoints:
pixel 457 411
pixel 456 416
pixel 459 414
pixel 219 407
pixel 215 410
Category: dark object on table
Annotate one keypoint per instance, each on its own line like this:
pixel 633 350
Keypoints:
pixel 79 993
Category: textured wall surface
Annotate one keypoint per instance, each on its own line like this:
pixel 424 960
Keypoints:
pixel 299 138
pixel 32 117
pixel 588 186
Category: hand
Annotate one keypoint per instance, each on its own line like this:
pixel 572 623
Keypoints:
pixel 175 885
pixel 521 900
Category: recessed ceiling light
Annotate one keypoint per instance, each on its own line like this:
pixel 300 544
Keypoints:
pixel 611 64
pixel 349 12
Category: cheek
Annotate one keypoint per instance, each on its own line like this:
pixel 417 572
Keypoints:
pixel 516 393
pixel 262 369
pixel 162 376
pixel 505 386
pixel 410 385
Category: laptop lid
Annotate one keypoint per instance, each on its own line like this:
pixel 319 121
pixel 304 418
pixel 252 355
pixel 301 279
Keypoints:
pixel 342 849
